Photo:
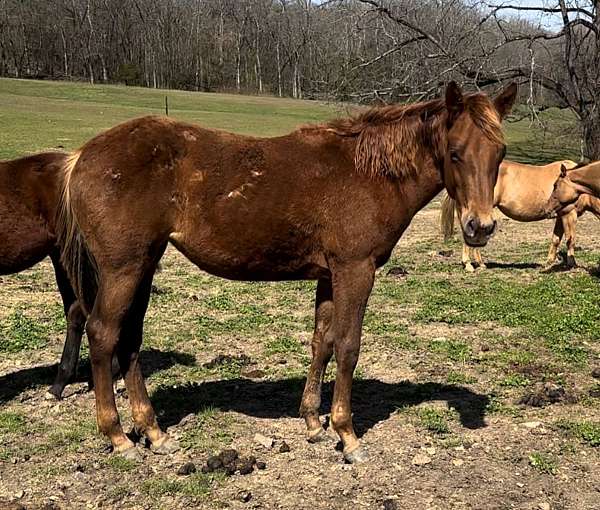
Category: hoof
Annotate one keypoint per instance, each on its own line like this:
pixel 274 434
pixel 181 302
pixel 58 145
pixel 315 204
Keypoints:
pixel 357 456
pixel 319 436
pixel 571 262
pixel 132 453
pixel 482 267
pixel 53 393
pixel 165 447
pixel 469 268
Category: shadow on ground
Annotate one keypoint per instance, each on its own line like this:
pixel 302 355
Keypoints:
pixel 15 383
pixel 513 265
pixel 372 400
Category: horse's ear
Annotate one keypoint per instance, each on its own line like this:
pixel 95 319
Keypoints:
pixel 454 101
pixel 506 99
pixel 563 170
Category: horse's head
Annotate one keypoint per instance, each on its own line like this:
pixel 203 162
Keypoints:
pixel 474 151
pixel 564 194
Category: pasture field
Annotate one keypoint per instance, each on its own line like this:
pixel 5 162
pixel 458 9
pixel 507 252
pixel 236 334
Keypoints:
pixel 473 391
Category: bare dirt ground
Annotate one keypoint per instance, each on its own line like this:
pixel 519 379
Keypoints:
pixel 473 391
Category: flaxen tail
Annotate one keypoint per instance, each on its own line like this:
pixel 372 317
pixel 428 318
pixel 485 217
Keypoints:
pixel 75 256
pixel 447 216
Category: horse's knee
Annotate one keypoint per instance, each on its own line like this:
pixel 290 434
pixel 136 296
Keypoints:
pixel 103 339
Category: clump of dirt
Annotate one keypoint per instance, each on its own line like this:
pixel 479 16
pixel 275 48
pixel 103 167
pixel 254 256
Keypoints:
pixel 230 462
pixel 397 271
pixel 545 394
pixel 228 359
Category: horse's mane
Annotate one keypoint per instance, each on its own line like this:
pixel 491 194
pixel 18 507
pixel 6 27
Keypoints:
pixel 389 138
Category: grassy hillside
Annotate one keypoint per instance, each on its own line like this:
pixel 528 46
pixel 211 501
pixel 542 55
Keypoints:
pixel 41 115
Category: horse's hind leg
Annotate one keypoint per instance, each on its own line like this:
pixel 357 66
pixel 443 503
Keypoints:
pixel 144 418
pixel 75 325
pixel 116 294
pixel 351 289
pixel 466 259
pixel 555 242
pixel 569 222
pixel 322 350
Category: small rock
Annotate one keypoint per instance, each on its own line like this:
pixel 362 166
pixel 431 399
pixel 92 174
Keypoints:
pixel 189 418
pixel 420 459
pixel 187 469
pixel 430 450
pixel 26 457
pixel 532 424
pixel 390 504
pixel 458 462
pixel 244 496
pixel 485 348
pixel 284 448
pixel 520 485
pixel 260 465
pixel 19 494
pixel 596 373
pixel 544 506
pixel 265 441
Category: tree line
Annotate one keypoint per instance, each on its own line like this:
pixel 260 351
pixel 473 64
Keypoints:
pixel 355 50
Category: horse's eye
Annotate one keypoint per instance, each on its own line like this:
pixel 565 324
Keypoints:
pixel 454 156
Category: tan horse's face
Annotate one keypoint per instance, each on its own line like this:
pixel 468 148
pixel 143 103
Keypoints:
pixel 471 163
pixel 564 194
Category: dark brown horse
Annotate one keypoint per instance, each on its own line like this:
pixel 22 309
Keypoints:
pixel 326 202
pixel 29 196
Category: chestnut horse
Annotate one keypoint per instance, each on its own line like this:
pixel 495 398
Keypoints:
pixel 571 186
pixel 327 202
pixel 521 193
pixel 29 196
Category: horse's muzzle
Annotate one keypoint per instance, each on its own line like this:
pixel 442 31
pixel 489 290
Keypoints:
pixel 477 233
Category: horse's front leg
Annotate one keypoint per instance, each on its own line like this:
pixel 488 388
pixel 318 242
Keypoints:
pixel 479 258
pixel 352 286
pixel 466 259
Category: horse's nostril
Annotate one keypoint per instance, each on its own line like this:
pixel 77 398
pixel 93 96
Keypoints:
pixel 490 228
pixel 471 227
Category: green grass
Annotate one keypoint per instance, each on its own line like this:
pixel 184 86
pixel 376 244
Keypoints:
pixel 434 420
pixel 586 431
pixel 11 423
pixel 19 332
pixel 543 462
pixel 196 485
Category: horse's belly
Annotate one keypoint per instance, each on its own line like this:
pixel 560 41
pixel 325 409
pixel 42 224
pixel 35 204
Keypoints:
pixel 242 259
pixel 24 239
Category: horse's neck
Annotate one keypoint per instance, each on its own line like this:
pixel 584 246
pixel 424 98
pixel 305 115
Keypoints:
pixel 416 192
pixel 588 176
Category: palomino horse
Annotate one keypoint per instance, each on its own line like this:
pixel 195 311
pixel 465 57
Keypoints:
pixel 327 202
pixel 571 186
pixel 521 193
pixel 29 196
